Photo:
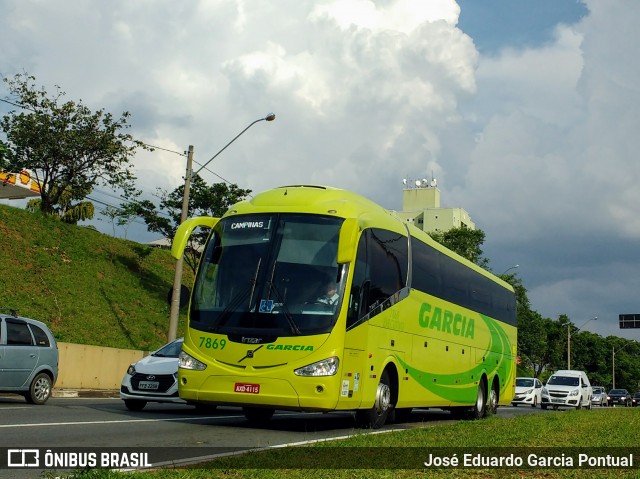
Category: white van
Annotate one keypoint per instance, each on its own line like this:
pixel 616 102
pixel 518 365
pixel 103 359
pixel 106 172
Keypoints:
pixel 567 388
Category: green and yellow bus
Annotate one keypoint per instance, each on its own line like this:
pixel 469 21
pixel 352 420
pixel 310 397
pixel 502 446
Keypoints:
pixel 310 298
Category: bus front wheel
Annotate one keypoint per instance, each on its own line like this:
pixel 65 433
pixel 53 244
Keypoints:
pixel 376 417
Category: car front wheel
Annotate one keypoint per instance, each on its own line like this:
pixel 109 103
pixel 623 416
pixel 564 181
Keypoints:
pixel 40 389
pixel 135 404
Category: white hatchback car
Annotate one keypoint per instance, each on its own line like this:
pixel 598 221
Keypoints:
pixel 153 379
pixel 528 391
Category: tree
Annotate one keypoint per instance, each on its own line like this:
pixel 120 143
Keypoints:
pixel 204 200
pixel 122 217
pixel 464 241
pixel 68 148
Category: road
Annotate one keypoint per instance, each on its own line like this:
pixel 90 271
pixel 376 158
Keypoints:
pixel 181 431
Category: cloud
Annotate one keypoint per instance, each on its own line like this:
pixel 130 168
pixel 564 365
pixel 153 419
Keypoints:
pixel 537 143
pixel 553 167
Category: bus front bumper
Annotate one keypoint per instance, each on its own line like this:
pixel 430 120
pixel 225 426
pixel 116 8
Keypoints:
pixel 312 394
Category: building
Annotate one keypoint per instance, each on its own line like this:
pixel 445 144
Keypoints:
pixel 15 186
pixel 421 206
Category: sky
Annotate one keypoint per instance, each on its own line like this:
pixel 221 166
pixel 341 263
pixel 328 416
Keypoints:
pixel 524 111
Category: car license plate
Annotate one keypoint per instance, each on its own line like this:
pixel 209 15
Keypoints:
pixel 148 385
pixel 561 401
pixel 247 388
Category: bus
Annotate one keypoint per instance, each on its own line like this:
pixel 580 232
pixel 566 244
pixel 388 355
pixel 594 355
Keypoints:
pixel 407 322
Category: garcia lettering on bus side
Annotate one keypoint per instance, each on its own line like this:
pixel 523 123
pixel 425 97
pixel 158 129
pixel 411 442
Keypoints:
pixel 289 347
pixel 446 321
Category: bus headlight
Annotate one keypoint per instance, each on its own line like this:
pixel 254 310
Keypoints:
pixel 326 367
pixel 186 361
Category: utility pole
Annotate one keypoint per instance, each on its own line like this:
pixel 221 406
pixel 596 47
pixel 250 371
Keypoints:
pixel 177 278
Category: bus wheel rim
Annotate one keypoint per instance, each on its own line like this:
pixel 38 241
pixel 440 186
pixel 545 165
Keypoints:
pixel 383 398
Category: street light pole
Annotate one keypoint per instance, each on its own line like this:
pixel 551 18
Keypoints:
pixel 177 278
pixel 509 269
pixel 613 363
pixel 569 339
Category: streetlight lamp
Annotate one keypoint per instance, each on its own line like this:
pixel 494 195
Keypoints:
pixel 569 338
pixel 177 278
pixel 613 362
pixel 509 269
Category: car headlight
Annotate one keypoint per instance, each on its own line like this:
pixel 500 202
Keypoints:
pixel 527 392
pixel 545 392
pixel 185 361
pixel 326 367
pixel 575 392
pixel 132 369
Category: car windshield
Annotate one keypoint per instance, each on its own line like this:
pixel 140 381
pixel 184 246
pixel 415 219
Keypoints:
pixel 524 382
pixel 171 350
pixel 564 381
pixel 598 390
pixel 617 392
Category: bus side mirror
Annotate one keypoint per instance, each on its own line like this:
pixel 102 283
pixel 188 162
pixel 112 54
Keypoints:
pixel 184 232
pixel 347 241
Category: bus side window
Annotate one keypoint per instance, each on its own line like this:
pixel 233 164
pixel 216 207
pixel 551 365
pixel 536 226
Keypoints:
pixel 380 272
pixel 388 262
pixel 359 286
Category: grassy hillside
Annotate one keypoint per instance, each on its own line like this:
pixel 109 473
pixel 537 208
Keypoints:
pixel 90 288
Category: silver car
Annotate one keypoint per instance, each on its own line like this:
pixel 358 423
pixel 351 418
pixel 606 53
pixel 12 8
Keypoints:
pixel 528 391
pixel 599 397
pixel 28 358
pixel 153 379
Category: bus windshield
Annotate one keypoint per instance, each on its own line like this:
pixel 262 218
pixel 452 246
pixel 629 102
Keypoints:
pixel 271 275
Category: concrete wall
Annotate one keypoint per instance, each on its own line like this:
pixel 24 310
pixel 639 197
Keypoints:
pixel 93 367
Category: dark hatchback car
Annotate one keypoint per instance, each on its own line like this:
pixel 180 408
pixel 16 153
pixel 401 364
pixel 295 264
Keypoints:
pixel 619 397
pixel 635 400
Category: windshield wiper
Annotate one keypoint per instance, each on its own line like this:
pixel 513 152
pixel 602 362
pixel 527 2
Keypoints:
pixel 285 310
pixel 225 314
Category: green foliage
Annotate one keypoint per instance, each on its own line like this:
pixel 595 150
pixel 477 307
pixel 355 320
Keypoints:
pixel 68 148
pixel 66 211
pixel 464 241
pixel 204 200
pixel 90 288
pixel 3 152
pixel 122 217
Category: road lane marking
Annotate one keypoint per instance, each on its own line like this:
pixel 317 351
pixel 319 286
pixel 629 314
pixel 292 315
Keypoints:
pixel 84 423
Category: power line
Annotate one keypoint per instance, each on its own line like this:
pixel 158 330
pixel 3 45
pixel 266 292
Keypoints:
pixel 164 149
pixel 216 174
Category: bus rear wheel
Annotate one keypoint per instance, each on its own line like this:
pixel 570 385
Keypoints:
pixel 494 395
pixel 480 407
pixel 376 417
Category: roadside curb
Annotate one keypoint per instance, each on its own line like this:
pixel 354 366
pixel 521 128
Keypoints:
pixel 85 393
